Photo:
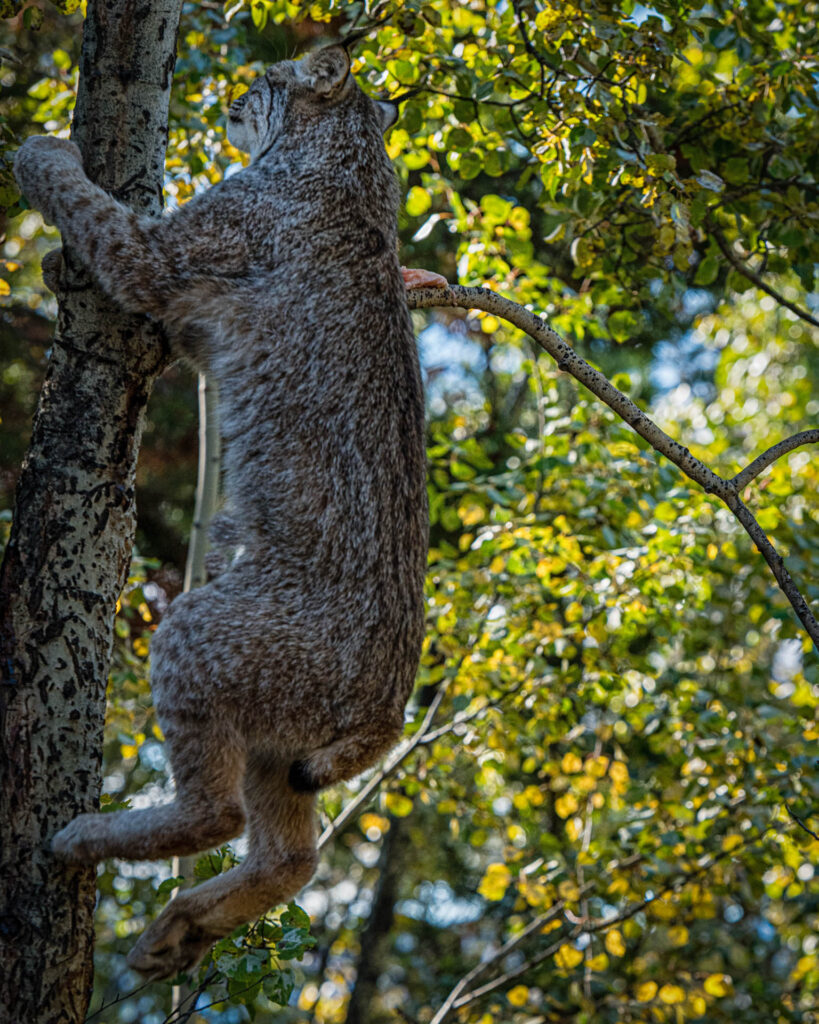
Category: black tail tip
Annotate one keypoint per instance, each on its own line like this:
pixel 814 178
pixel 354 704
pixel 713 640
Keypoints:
pixel 300 778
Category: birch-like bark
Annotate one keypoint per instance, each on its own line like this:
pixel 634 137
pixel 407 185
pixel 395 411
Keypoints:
pixel 207 482
pixel 207 498
pixel 71 541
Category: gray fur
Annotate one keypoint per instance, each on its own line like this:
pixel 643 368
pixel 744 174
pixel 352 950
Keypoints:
pixel 290 671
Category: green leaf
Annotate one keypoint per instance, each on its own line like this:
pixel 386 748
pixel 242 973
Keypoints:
pixel 707 271
pixel 418 201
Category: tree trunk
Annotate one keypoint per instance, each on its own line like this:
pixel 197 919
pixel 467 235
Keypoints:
pixel 375 939
pixel 70 545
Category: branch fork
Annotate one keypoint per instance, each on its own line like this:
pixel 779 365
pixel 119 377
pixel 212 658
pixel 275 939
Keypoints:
pixel 727 490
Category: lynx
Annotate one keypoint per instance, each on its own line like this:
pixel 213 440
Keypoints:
pixel 290 671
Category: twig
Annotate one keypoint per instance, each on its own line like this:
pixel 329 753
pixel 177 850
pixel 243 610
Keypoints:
pixel 754 278
pixel 390 766
pixel 801 823
pixel 570 362
pixel 396 759
pixel 590 927
pixel 761 462
pixel 535 925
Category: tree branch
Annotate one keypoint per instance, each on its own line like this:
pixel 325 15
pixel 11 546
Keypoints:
pixel 570 362
pixel 761 462
pixel 401 753
pixel 755 279
pixel 590 927
pixel 389 767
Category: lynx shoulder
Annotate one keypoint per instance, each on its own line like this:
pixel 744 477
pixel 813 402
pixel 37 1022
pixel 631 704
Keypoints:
pixel 290 670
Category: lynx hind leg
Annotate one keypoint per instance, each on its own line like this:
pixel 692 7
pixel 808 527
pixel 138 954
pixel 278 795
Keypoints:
pixel 207 761
pixel 281 859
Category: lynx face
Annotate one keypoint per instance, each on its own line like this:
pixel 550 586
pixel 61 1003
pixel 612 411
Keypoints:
pixel 308 87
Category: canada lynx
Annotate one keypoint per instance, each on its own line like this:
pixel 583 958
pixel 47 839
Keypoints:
pixel 290 670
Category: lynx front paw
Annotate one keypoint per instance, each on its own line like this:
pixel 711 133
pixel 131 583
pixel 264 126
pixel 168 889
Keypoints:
pixel 39 168
pixel 173 944
pixel 414 277
pixel 79 842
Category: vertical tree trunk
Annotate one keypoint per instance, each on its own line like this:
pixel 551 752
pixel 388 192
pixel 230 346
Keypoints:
pixel 70 545
pixel 376 936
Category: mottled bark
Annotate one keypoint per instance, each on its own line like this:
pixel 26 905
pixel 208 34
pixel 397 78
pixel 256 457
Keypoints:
pixel 72 535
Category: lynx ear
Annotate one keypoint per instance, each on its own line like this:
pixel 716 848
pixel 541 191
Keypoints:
pixel 388 112
pixel 325 71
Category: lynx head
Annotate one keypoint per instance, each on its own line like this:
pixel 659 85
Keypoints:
pixel 307 88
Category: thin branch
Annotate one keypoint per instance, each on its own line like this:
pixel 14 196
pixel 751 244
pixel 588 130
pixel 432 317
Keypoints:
pixel 590 927
pixel 533 926
pixel 754 278
pixel 570 362
pixel 761 462
pixel 802 824
pixel 777 566
pixel 390 766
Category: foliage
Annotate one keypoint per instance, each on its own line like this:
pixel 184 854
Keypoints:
pixel 612 790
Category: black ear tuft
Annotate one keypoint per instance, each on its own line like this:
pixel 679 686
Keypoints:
pixel 387 112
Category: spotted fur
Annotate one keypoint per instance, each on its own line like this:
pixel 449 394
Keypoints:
pixel 291 670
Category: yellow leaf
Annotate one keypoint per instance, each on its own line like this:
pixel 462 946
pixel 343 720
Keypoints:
pixel 518 995
pixel 5 287
pixel 663 910
pixel 768 518
pixel 495 882
pixel 566 805
pixel 375 822
pixel 717 985
pixel 698 1006
pixel 598 963
pixel 574 612
pixel 678 936
pixel 731 843
pixel 645 993
pixel 614 943
pixel 398 804
pixel 128 750
pixel 571 764
pixel 672 994
pixel 618 773
pixel 568 957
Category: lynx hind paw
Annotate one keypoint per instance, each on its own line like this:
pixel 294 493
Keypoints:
pixel 75 843
pixel 173 944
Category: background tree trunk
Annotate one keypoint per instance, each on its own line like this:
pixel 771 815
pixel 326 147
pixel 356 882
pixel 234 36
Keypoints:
pixel 377 935
pixel 70 545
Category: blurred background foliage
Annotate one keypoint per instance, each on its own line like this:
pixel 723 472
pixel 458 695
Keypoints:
pixel 608 811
